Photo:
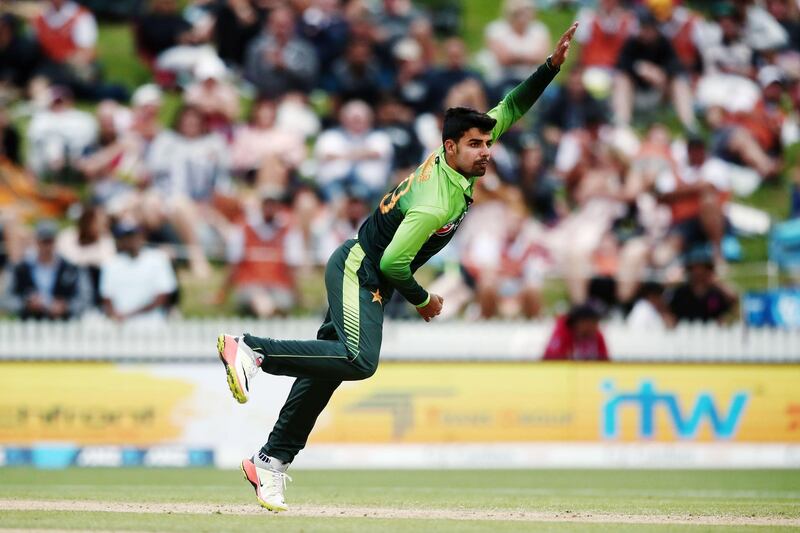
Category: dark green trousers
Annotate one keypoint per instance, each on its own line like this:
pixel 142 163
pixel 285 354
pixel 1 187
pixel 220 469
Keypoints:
pixel 347 348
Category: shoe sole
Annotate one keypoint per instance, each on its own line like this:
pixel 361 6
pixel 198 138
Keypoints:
pixel 249 471
pixel 230 372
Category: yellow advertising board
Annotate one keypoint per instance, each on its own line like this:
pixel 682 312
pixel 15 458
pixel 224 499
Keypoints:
pixel 90 403
pixel 514 402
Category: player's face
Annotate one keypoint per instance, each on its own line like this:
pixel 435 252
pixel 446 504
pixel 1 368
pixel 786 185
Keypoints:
pixel 472 152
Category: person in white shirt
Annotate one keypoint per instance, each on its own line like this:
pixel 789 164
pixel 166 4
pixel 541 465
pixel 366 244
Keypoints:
pixel 648 311
pixel 137 283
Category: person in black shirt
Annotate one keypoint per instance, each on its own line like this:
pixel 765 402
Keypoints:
pixel 19 54
pixel 701 297
pixel 647 69
pixel 160 28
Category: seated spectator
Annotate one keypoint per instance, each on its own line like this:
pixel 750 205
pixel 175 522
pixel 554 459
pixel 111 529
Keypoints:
pixel 137 283
pixel 762 32
pixel 88 245
pixel 787 14
pixel 44 285
pixel 414 77
pixel 236 23
pixel 356 75
pixel 570 108
pixel 453 70
pixel 263 153
pixel 353 154
pixel 516 44
pixel 188 169
pixel 324 25
pixel 19 57
pixel 702 297
pixel 58 137
pixel 279 61
pixel 396 17
pixel 577 337
pixel 683 28
pixel 67 35
pixel 259 277
pixel 602 33
pixel 397 121
pixel 649 310
pixel 161 27
pixel 215 97
pixel 649 69
pixel 538 185
pixel 9 139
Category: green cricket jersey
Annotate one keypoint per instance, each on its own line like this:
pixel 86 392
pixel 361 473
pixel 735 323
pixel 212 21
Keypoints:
pixel 419 217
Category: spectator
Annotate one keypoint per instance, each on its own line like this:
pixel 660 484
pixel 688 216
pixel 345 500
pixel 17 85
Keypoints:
pixel 354 154
pixel 59 136
pixel 570 108
pixel 136 284
pixel 215 97
pixel 9 139
pixel 701 297
pixel 577 337
pixel 259 277
pixel 454 70
pixel 414 78
pixel 88 245
pixel 189 168
pixel 516 44
pixel 19 57
pixel 648 70
pixel 236 23
pixel 357 74
pixel 650 309
pixel 683 28
pixel 264 153
pixel 787 14
pixel 67 36
pixel 279 61
pixel 396 18
pixel 324 25
pixel 538 186
pixel 603 32
pixel 45 285
pixel 161 28
pixel 762 32
pixel 397 121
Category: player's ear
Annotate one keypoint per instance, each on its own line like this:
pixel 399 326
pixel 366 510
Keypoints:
pixel 450 146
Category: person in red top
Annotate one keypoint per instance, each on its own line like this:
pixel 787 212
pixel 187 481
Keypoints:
pixel 603 32
pixel 262 280
pixel 577 337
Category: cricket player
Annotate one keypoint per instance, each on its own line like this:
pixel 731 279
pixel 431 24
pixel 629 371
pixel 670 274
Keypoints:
pixel 411 224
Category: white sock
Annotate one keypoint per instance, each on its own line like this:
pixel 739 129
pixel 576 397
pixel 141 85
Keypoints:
pixel 262 460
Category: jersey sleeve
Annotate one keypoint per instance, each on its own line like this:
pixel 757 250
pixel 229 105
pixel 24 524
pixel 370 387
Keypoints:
pixel 521 98
pixel 416 228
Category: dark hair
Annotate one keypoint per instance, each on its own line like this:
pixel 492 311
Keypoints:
pixel 457 120
pixel 586 311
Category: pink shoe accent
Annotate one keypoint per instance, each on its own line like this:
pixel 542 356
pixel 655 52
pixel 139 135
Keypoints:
pixel 229 350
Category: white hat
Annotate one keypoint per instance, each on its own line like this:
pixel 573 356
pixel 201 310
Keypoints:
pixel 769 75
pixel 210 68
pixel 148 94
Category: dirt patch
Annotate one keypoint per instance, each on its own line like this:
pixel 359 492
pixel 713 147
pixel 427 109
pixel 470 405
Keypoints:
pixel 321 511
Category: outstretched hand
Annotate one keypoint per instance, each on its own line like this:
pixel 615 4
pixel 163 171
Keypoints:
pixel 433 308
pixel 562 48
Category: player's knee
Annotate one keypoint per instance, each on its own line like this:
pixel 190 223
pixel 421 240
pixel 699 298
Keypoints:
pixel 367 365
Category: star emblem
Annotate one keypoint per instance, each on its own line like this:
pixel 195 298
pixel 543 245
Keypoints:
pixel 376 296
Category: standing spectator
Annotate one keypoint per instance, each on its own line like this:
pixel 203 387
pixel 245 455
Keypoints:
pixel 59 136
pixel 649 69
pixel 261 279
pixel 577 337
pixel 45 285
pixel 701 297
pixel 137 282
pixel 353 154
pixel 516 44
pixel 279 61
pixel 88 245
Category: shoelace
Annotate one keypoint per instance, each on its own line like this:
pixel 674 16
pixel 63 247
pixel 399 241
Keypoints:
pixel 278 480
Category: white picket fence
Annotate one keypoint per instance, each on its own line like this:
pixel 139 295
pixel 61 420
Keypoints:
pixel 99 339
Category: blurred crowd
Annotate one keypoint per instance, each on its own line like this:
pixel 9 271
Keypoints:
pixel 288 120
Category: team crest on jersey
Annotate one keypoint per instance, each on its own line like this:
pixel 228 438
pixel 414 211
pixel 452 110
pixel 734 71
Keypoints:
pixel 450 227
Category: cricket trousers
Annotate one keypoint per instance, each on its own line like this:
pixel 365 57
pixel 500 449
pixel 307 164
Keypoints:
pixel 347 348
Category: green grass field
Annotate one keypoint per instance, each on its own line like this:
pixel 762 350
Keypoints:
pixel 441 501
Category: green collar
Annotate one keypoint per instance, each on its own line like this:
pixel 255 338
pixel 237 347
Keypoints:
pixel 454 176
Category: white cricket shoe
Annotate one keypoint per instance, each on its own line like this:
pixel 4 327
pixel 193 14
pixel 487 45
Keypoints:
pixel 269 485
pixel 241 365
